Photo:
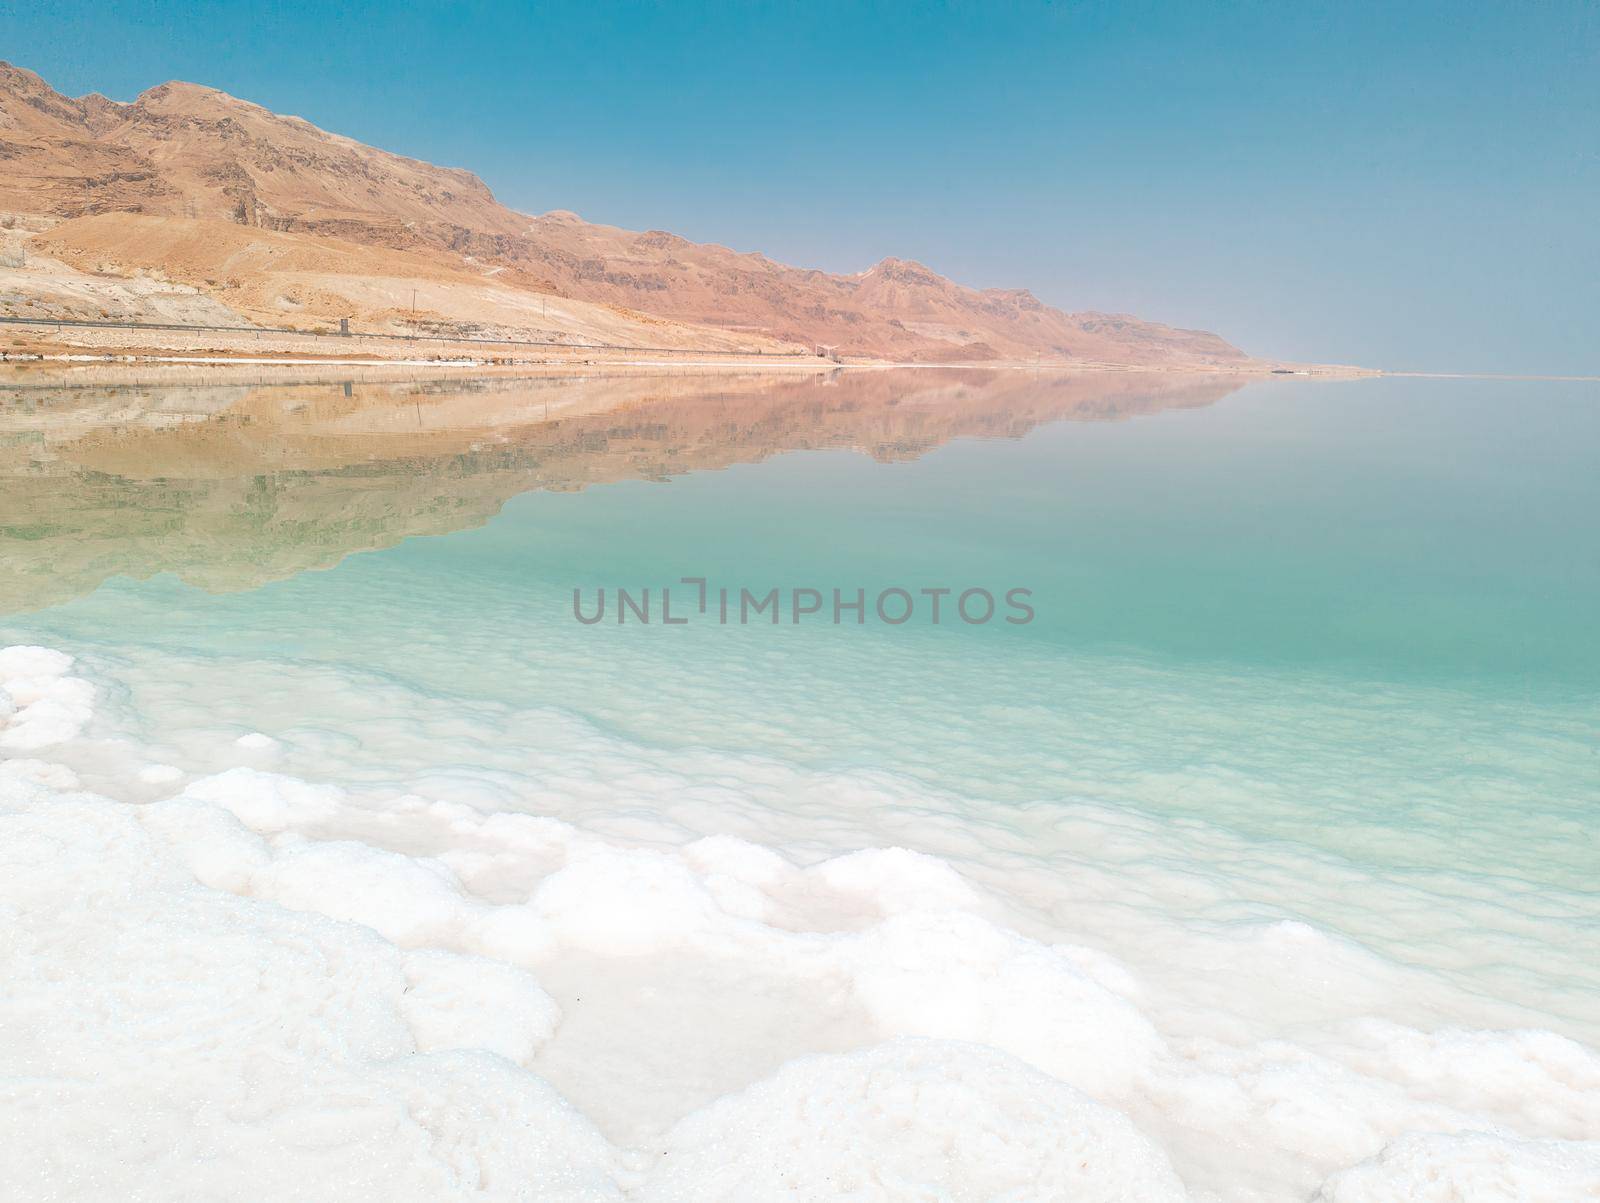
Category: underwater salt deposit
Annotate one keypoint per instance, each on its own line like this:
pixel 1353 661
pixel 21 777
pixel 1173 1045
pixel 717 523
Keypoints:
pixel 340 862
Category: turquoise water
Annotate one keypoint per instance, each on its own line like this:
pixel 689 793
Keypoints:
pixel 1357 615
pixel 1274 830
pixel 1438 532
pixel 1370 599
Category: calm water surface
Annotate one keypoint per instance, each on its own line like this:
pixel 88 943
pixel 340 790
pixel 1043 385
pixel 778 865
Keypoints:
pixel 1357 617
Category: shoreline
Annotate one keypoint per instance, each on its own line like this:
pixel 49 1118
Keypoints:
pixel 65 340
pixel 109 352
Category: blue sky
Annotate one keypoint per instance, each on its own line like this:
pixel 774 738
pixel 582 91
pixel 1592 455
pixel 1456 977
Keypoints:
pixel 1404 185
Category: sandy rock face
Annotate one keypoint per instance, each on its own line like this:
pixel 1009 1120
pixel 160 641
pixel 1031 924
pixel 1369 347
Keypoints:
pixel 185 151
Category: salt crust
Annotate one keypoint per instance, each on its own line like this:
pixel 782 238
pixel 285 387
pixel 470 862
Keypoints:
pixel 223 993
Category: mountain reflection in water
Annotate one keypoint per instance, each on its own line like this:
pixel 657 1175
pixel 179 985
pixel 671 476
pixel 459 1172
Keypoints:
pixel 232 478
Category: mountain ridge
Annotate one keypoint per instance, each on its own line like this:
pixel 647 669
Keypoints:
pixel 188 150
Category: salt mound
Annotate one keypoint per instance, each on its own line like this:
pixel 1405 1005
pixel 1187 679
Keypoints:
pixel 156 1031
pixel 267 802
pixel 467 1002
pixel 411 900
pixel 911 1119
pixel 958 977
pixel 340 986
pixel 40 704
pixel 1471 1167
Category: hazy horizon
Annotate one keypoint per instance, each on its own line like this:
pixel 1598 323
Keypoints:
pixel 1408 191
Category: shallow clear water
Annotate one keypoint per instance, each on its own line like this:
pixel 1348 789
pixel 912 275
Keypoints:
pixel 1306 651
pixel 1382 586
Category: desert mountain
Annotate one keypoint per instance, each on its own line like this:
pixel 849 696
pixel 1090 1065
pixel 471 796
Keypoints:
pixel 273 278
pixel 185 151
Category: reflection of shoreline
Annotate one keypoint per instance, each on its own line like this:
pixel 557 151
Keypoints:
pixel 236 482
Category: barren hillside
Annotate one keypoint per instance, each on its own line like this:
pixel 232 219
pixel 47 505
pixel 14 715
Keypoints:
pixel 186 151
pixel 274 278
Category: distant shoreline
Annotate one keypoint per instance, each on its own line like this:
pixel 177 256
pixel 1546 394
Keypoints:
pixel 46 343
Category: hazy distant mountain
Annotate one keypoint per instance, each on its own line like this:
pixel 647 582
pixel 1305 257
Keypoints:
pixel 181 150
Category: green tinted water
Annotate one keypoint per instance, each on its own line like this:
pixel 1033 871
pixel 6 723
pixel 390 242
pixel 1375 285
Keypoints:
pixel 1359 616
